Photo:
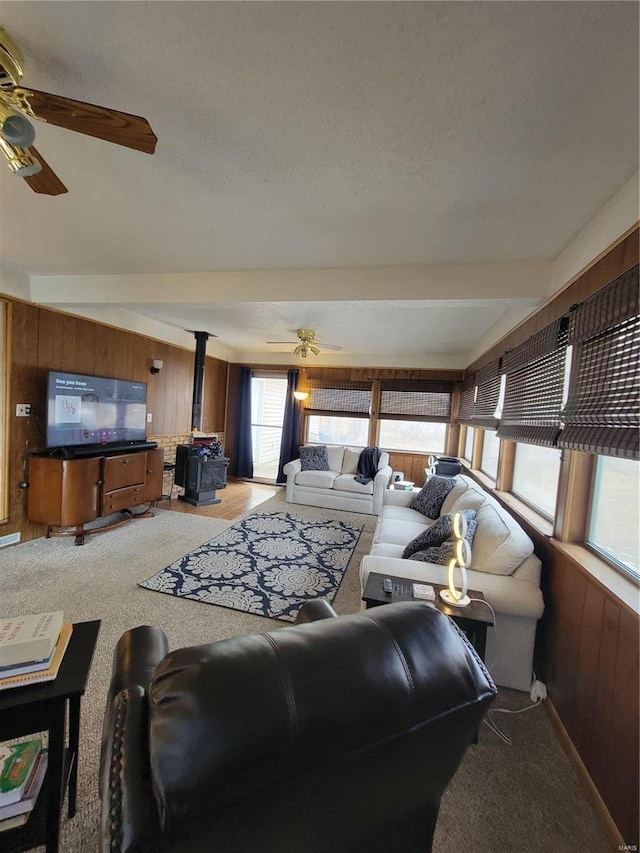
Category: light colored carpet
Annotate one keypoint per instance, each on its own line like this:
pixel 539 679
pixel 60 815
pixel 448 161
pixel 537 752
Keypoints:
pixel 520 798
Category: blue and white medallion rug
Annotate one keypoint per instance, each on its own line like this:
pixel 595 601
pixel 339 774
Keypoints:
pixel 269 563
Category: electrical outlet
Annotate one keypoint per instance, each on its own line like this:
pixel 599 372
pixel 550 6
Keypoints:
pixel 23 410
pixel 149 418
pixel 538 691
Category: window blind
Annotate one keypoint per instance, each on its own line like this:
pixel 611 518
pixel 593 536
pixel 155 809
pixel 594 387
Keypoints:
pixel 602 414
pixel 487 384
pixel 467 392
pixel 534 372
pixel 408 401
pixel 338 396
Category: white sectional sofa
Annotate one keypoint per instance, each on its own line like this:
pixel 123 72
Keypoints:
pixel 337 488
pixel 503 567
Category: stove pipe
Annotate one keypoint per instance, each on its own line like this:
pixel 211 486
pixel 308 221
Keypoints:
pixel 198 378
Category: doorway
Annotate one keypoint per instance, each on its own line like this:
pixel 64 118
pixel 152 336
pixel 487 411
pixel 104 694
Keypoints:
pixel 268 396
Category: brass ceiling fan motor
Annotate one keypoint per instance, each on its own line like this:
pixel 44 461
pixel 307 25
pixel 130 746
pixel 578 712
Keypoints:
pixel 19 105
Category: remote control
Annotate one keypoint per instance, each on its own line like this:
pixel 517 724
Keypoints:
pixel 387 586
pixel 424 591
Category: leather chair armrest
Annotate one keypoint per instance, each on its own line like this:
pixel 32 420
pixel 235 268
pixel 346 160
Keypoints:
pixel 311 611
pixel 129 814
pixel 136 656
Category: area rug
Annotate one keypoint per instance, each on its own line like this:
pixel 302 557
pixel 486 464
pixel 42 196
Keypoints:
pixel 269 563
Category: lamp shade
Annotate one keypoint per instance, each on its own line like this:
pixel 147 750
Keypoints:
pixel 300 395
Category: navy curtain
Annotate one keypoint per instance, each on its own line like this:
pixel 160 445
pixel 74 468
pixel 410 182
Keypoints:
pixel 242 463
pixel 290 426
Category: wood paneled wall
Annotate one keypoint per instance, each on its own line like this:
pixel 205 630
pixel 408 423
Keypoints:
pixel 409 463
pixel 591 662
pixel 42 339
pixel 587 642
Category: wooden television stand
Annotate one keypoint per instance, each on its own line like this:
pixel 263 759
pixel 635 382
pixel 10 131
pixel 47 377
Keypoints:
pixel 66 494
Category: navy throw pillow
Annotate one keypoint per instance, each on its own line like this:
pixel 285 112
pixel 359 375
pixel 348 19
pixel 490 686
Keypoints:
pixel 439 532
pixel 431 497
pixel 314 457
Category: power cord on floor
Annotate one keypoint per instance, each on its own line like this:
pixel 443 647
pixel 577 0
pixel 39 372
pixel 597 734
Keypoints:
pixel 538 694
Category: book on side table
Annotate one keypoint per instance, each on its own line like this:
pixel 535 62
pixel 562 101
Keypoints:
pixel 22 770
pixel 26 675
pixel 25 639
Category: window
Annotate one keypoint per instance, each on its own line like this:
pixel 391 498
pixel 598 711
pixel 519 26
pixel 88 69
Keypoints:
pixel 268 395
pixel 536 472
pixel 337 412
pixel 416 436
pixel 413 417
pixel 613 522
pixel 336 429
pixel 490 453
pixel 468 444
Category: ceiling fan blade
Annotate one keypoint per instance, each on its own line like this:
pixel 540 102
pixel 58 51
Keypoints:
pixel 111 125
pixel 327 346
pixel 46 181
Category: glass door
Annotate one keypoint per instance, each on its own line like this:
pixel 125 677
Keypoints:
pixel 268 395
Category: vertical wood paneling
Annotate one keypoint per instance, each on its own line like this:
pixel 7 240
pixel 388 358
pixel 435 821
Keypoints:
pixel 605 697
pixel 587 669
pixel 571 606
pixel 623 745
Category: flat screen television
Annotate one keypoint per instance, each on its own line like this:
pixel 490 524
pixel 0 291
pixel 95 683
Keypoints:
pixel 94 410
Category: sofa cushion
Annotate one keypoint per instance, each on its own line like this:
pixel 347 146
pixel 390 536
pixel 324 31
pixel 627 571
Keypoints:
pixel 350 461
pixel 396 532
pixel 313 457
pixel 347 483
pixel 430 498
pixel 386 549
pixel 469 499
pixel 335 453
pixel 500 545
pixel 320 479
pixel 404 513
pixel 439 532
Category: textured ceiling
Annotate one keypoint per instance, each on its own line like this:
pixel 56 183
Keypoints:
pixel 325 135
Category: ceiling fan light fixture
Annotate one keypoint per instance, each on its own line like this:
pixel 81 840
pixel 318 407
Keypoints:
pixel 15 128
pixel 20 160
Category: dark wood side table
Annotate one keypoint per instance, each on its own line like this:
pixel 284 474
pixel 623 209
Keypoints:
pixel 43 707
pixel 473 619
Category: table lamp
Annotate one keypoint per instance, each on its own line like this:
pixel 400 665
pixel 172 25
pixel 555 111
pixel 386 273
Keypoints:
pixel 462 558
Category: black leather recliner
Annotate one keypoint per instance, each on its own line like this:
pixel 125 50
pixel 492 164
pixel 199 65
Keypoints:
pixel 338 735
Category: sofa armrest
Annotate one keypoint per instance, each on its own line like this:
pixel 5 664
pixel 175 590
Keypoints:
pixel 290 471
pixel 292 468
pixel 380 483
pixel 398 497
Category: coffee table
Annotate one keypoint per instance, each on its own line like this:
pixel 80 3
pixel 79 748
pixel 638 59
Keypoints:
pixel 473 619
pixel 43 707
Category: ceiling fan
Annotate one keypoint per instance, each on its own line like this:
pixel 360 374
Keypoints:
pixel 307 343
pixel 17 135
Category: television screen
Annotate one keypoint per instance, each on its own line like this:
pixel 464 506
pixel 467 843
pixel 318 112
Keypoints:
pixel 94 410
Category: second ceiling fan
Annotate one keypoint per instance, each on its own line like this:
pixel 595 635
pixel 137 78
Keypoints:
pixel 307 343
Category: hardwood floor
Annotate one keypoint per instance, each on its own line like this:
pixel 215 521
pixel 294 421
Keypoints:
pixel 238 497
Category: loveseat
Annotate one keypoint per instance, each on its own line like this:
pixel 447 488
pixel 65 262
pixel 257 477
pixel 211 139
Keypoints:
pixel 503 567
pixel 337 487
pixel 335 736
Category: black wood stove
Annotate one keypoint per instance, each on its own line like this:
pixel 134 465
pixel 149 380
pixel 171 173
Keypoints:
pixel 200 474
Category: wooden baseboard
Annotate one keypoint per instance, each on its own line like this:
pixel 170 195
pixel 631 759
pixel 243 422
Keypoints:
pixel 592 792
